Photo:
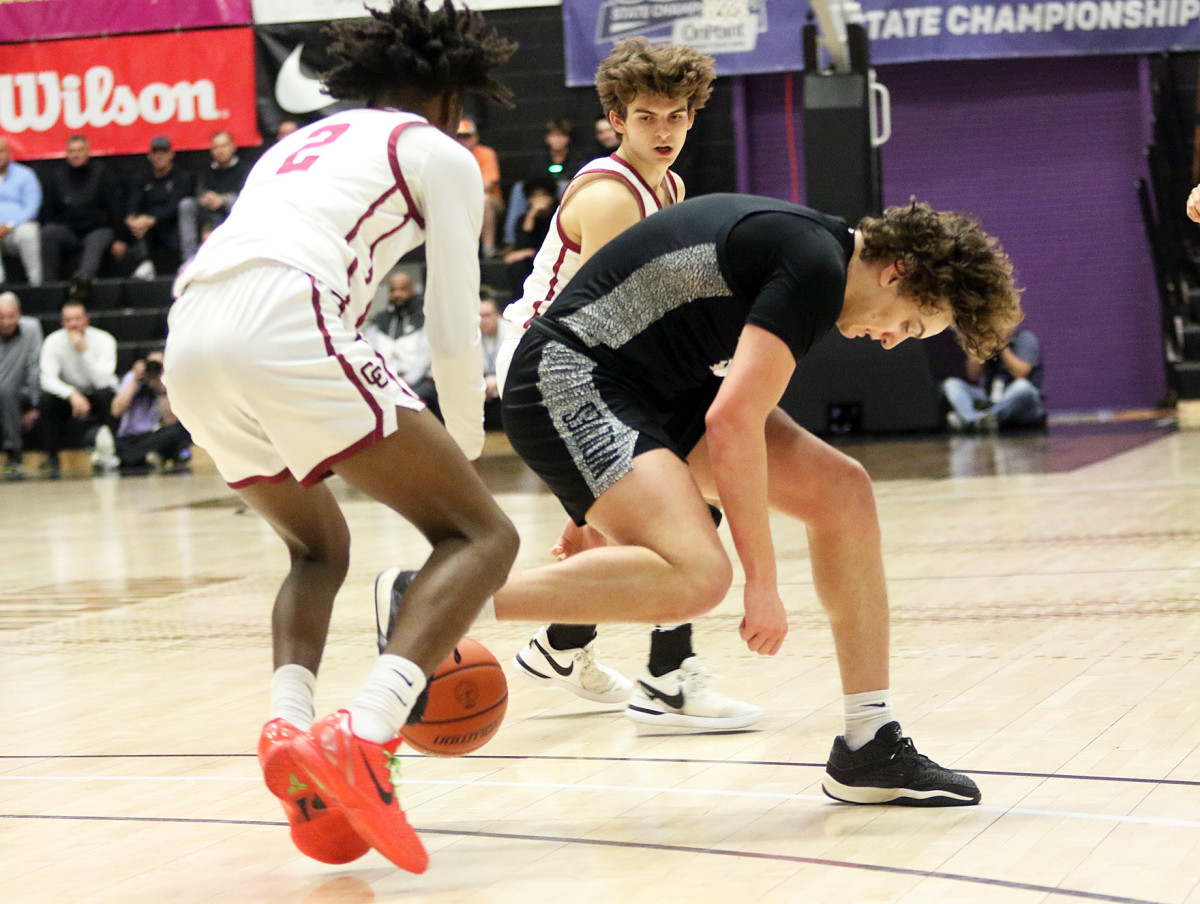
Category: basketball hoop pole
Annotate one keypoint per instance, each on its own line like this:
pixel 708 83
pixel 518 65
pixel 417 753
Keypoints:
pixel 843 126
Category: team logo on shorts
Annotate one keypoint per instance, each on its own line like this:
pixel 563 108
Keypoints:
pixel 374 374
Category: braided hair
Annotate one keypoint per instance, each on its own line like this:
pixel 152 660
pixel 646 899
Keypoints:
pixel 413 51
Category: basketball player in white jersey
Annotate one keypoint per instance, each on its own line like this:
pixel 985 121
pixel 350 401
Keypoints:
pixel 650 94
pixel 268 372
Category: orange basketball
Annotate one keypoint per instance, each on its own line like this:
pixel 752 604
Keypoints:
pixel 467 699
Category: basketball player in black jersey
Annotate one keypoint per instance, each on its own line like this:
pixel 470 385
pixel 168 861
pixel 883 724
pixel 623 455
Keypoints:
pixel 653 381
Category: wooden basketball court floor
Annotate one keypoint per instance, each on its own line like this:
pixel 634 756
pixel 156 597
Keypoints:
pixel 1046 639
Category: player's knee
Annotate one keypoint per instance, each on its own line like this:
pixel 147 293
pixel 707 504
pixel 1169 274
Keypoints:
pixel 497 542
pixel 328 553
pixel 702 585
pixel 842 494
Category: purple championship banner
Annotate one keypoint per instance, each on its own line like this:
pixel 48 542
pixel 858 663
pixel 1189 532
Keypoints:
pixel 39 20
pixel 750 36
pixel 743 36
pixel 902 32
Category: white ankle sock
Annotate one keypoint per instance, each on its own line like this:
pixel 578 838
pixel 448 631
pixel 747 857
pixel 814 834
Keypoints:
pixel 378 712
pixel 866 713
pixel 293 692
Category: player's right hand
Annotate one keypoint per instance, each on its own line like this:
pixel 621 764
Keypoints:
pixel 765 625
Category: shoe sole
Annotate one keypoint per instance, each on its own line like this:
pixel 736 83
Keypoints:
pixel 903 797
pixel 533 675
pixel 403 848
pixel 681 720
pixel 278 767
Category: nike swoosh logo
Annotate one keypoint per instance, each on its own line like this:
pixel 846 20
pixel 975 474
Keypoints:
pixel 880 705
pixel 386 796
pixel 296 92
pixel 554 665
pixel 675 701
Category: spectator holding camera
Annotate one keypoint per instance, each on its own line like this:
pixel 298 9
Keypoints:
pixel 1002 392
pixel 149 435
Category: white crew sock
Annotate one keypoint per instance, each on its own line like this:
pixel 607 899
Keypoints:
pixel 293 692
pixel 866 713
pixel 378 712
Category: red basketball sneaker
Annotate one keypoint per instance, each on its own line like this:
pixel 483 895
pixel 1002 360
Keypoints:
pixel 319 830
pixel 360 778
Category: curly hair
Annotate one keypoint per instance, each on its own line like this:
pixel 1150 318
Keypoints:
pixel 410 48
pixel 670 70
pixel 944 256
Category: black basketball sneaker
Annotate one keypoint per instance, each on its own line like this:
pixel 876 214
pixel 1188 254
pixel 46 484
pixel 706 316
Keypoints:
pixel 888 770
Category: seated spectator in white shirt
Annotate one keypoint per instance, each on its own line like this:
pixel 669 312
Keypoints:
pixel 78 379
pixel 491 333
pixel 398 334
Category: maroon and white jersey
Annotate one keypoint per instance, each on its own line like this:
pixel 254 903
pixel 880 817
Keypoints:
pixel 342 200
pixel 558 258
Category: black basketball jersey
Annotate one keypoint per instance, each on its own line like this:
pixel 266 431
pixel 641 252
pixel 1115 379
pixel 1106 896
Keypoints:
pixel 662 305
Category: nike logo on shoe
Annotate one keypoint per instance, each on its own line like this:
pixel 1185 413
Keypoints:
pixel 386 796
pixel 554 665
pixel 675 701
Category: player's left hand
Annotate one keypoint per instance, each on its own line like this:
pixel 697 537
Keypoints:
pixel 765 625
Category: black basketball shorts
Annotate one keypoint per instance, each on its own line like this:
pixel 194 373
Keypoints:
pixel 580 428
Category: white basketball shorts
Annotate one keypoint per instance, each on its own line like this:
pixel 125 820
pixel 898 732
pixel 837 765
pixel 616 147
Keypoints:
pixel 504 356
pixel 263 371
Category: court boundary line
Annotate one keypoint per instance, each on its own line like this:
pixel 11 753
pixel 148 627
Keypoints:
pixel 666 848
pixel 1134 780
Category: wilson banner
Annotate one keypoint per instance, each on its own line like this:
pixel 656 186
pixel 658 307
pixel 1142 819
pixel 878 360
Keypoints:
pixel 120 92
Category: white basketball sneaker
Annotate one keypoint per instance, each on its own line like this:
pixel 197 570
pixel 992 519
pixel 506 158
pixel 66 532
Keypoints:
pixel 683 699
pixel 576 670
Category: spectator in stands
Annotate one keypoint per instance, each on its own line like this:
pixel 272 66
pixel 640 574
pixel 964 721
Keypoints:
pixel 20 201
pixel 153 211
pixel 216 190
pixel 20 346
pixel 149 435
pixel 532 227
pixel 491 332
pixel 285 128
pixel 398 334
pixel 607 139
pixel 78 379
pixel 1004 391
pixel 82 216
pixel 489 166
pixel 558 160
